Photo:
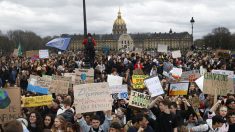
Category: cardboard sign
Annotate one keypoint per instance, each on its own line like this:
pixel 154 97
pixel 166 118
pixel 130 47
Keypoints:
pixel 138 81
pixel 73 77
pixel 32 53
pixel 176 54
pixel 224 72
pixel 92 97
pixel 114 80
pixel 176 72
pixel 59 87
pixel 84 75
pixel 162 48
pixel 37 101
pixel 217 84
pixel 43 54
pixel 119 92
pixel 154 86
pixel 9 104
pixel 220 53
pixel 39 84
pixel 139 100
pixel 180 88
pixel 190 75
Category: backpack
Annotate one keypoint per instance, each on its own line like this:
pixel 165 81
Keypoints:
pixel 89 44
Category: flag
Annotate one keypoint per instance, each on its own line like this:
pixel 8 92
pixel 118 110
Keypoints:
pixel 20 53
pixel 59 43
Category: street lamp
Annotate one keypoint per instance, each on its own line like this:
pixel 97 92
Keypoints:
pixel 84 17
pixel 192 22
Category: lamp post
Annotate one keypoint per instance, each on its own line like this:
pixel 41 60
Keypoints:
pixel 84 17
pixel 192 22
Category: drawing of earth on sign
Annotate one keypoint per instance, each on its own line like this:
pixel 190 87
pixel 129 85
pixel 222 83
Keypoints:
pixel 83 76
pixel 4 99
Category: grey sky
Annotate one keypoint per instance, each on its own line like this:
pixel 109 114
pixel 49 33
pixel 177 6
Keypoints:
pixel 54 17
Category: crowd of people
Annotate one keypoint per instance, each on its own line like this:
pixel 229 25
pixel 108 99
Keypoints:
pixel 164 114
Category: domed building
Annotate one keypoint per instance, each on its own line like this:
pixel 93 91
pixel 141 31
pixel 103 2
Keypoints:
pixel 121 40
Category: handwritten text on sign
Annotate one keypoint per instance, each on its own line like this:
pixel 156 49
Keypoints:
pixel 36 101
pixel 138 81
pixel 92 97
pixel 139 100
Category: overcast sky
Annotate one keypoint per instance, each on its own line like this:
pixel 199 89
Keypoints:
pixel 54 17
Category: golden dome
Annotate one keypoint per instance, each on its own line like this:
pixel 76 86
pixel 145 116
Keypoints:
pixel 119 20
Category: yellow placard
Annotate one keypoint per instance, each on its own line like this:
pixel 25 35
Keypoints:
pixel 36 101
pixel 138 81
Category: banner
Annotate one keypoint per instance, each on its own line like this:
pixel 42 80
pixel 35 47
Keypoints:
pixel 176 72
pixel 180 88
pixel 154 86
pixel 138 81
pixel 39 84
pixel 59 87
pixel 176 54
pixel 59 43
pixel 43 54
pixel 190 75
pixel 9 104
pixel 162 48
pixel 92 97
pixel 114 80
pixel 32 53
pixel 224 72
pixel 139 100
pixel 217 84
pixel 119 92
pixel 36 101
pixel 84 75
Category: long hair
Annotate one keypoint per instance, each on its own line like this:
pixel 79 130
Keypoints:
pixel 63 123
pixel 51 123
pixel 39 121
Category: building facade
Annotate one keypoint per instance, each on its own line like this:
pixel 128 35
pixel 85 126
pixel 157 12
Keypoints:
pixel 120 40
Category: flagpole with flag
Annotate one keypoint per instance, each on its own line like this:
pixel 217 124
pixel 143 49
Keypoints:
pixel 20 53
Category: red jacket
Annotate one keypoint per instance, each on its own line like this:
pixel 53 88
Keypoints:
pixel 138 66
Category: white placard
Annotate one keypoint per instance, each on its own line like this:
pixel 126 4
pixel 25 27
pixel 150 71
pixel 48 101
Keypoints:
pixel 177 72
pixel 43 54
pixel 119 92
pixel 176 54
pixel 199 82
pixel 224 72
pixel 114 80
pixel 154 86
pixel 202 71
pixel 162 48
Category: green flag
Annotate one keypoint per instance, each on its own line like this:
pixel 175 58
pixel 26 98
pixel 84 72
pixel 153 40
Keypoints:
pixel 19 50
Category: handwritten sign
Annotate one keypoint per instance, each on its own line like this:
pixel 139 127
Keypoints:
pixel 114 80
pixel 43 54
pixel 73 77
pixel 139 100
pixel 162 48
pixel 92 97
pixel 190 75
pixel 224 72
pixel 32 53
pixel 37 101
pixel 138 81
pixel 176 72
pixel 176 54
pixel 59 87
pixel 39 84
pixel 119 92
pixel 154 86
pixel 84 75
pixel 217 83
pixel 9 104
pixel 180 88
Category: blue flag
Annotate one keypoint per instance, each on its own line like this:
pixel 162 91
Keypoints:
pixel 59 43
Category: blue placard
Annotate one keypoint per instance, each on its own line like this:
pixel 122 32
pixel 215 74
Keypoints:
pixel 37 89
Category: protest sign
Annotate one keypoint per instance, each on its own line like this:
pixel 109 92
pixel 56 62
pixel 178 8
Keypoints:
pixel 84 75
pixel 39 84
pixel 32 53
pixel 162 48
pixel 220 53
pixel 92 97
pixel 36 101
pixel 154 86
pixel 15 53
pixel 139 100
pixel 43 54
pixel 119 92
pixel 176 72
pixel 138 72
pixel 59 87
pixel 217 84
pixel 72 76
pixel 190 75
pixel 202 71
pixel 114 80
pixel 199 82
pixel 180 88
pixel 138 81
pixel 224 72
pixel 9 104
pixel 176 54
